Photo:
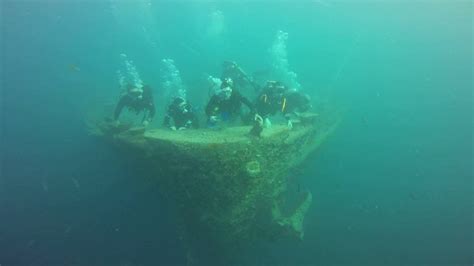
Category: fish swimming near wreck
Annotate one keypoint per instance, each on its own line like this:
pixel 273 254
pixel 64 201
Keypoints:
pixel 74 68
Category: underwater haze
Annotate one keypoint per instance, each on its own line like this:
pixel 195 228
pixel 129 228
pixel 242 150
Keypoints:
pixel 393 185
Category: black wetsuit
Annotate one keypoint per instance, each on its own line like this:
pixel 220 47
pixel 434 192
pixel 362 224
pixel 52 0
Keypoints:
pixel 230 107
pixel 270 101
pixel 278 99
pixel 184 117
pixel 134 104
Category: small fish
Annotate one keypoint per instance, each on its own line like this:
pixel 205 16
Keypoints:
pixel 413 196
pixel 74 68
pixel 76 183
pixel 45 186
pixel 31 243
pixel 365 121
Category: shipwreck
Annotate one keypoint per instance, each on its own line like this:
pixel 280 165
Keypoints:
pixel 228 186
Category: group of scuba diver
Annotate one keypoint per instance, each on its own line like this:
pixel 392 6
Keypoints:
pixel 225 104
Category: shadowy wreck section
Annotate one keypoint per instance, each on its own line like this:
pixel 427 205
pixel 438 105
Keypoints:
pixel 229 187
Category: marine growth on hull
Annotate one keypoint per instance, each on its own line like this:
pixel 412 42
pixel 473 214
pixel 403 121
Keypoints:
pixel 228 184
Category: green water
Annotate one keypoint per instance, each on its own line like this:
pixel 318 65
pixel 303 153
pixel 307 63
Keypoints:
pixel 393 185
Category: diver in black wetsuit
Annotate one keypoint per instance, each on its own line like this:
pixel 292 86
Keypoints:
pixel 181 112
pixel 226 104
pixel 276 97
pixel 270 99
pixel 138 100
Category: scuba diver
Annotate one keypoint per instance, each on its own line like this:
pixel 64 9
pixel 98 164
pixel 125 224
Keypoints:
pixel 181 112
pixel 137 99
pixel 276 97
pixel 236 73
pixel 226 104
